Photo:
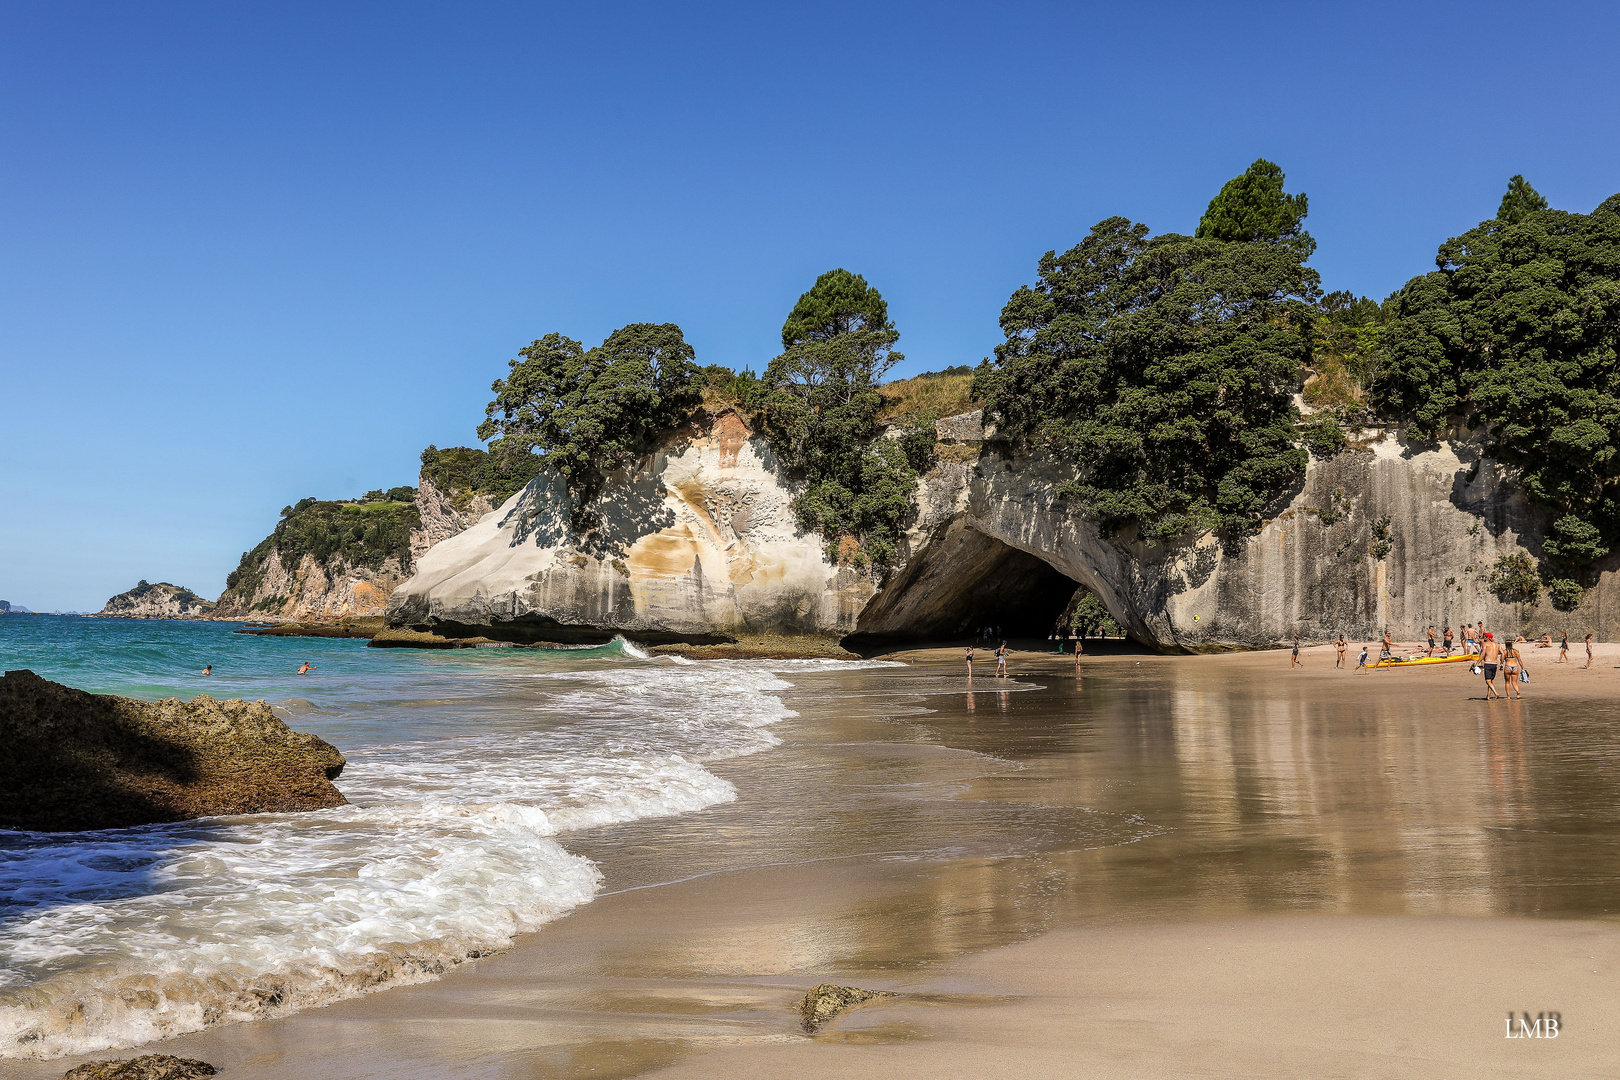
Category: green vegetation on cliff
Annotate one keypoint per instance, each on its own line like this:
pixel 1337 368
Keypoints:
pixel 1518 330
pixel 464 472
pixel 1164 367
pixel 588 411
pixel 363 533
pixel 818 404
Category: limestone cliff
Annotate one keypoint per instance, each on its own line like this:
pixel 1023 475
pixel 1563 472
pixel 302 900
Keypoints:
pixel 1384 535
pixel 698 543
pixel 324 561
pixel 445 513
pixel 159 601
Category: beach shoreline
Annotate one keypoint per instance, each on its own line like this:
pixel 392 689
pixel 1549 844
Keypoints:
pixel 989 867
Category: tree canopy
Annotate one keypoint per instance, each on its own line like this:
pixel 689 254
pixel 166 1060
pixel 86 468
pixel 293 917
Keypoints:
pixel 1164 367
pixel 818 403
pixel 838 303
pixel 1253 207
pixel 1519 201
pixel 586 411
pixel 1519 330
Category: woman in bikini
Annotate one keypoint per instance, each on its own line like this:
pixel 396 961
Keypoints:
pixel 1511 663
pixel 1340 645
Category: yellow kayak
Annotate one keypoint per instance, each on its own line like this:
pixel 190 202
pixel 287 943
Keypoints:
pixel 1395 661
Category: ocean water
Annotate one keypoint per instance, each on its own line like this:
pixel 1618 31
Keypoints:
pixel 467 771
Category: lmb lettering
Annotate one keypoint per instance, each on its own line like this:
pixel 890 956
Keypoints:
pixel 1544 1026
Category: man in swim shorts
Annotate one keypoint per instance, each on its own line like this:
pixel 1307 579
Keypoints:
pixel 1489 651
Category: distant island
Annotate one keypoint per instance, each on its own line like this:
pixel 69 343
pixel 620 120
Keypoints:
pixel 157 601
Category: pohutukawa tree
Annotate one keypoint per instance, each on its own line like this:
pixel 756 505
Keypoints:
pixel 1164 367
pixel 588 411
pixel 1518 330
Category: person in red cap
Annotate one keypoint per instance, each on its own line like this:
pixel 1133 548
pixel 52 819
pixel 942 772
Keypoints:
pixel 1489 652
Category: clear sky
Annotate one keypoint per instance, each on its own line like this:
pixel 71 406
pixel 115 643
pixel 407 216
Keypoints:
pixel 252 252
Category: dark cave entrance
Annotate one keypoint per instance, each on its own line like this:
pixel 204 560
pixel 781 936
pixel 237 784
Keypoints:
pixel 965 581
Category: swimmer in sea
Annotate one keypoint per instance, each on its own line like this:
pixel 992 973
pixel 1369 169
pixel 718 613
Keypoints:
pixel 306 668
pixel 208 669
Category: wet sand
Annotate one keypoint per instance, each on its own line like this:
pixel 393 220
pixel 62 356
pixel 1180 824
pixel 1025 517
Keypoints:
pixel 1179 866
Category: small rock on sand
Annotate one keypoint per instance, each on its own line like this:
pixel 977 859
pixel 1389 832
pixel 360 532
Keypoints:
pixel 150 1067
pixel 827 1001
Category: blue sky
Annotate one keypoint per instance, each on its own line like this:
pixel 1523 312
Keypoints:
pixel 253 252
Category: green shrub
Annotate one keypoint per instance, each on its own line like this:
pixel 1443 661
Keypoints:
pixel 1565 593
pixel 1322 436
pixel 1514 578
pixel 464 472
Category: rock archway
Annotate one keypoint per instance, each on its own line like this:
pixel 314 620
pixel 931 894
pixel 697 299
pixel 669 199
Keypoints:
pixel 961 582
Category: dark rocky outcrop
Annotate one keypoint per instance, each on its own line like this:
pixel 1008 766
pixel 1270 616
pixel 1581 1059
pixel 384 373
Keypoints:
pixel 149 1067
pixel 828 1000
pixel 75 760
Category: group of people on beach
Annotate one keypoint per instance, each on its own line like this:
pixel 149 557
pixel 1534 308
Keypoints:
pixel 1476 641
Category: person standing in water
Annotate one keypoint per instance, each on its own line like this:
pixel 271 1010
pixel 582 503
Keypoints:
pixel 208 669
pixel 1293 661
pixel 1340 645
pixel 1079 648
pixel 1001 661
pixel 970 661
pixel 306 668
pixel 1489 652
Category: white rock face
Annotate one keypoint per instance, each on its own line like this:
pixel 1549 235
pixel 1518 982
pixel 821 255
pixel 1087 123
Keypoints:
pixel 699 541
pixel 157 601
pixel 310 592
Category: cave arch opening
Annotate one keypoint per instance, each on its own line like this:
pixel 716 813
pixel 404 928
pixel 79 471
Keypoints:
pixel 961 583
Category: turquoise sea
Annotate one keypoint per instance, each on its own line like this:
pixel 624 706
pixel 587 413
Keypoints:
pixel 467 770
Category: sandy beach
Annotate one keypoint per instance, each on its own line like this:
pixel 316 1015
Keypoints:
pixel 1174 866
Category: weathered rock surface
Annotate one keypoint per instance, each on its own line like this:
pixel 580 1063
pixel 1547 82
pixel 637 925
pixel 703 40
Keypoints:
pixel 828 1000
pixel 313 592
pixel 698 544
pixel 157 601
pixel 149 1067
pixel 444 514
pixel 701 541
pixel 75 760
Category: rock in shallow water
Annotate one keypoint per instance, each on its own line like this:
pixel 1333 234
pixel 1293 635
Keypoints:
pixel 150 1067
pixel 75 760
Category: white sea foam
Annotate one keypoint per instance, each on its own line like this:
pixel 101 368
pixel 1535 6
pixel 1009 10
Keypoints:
pixel 118 938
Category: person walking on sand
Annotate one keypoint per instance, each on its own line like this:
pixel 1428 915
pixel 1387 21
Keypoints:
pixel 1293 661
pixel 1361 662
pixel 1448 639
pixel 1512 664
pixel 1001 661
pixel 1339 646
pixel 1489 653
pixel 1079 648
pixel 970 661
pixel 1588 651
pixel 1563 647
pixel 1431 641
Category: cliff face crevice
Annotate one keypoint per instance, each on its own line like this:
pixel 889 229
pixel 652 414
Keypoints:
pixel 701 541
